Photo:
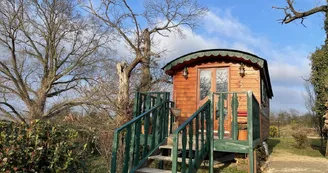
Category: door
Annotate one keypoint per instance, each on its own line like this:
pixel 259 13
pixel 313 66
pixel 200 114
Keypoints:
pixel 213 80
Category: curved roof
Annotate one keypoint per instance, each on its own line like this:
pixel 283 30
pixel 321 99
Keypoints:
pixel 204 55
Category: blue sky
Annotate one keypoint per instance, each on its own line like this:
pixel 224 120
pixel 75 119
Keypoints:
pixel 252 26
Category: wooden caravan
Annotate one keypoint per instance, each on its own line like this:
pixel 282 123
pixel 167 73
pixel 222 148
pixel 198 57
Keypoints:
pixel 200 73
pixel 218 95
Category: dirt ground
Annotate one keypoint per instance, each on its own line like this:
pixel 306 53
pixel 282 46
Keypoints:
pixel 284 162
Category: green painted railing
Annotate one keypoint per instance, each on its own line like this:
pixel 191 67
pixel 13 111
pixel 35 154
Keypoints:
pixel 254 110
pixel 223 111
pixel 144 101
pixel 128 139
pixel 195 135
pixel 253 126
pixel 253 119
pixel 252 107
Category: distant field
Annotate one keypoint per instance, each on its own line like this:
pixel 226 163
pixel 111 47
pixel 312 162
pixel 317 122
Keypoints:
pixel 278 145
pixel 288 130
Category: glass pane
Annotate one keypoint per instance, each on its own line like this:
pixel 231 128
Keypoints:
pixel 222 80
pixel 204 83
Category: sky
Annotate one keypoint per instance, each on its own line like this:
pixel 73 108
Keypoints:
pixel 253 27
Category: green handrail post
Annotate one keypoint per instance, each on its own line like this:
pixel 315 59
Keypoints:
pixel 148 102
pixel 250 130
pixel 190 146
pixel 234 105
pixel 211 141
pixel 167 113
pixel 154 120
pixel 197 140
pixel 184 152
pixel 136 104
pixel 114 152
pixel 146 130
pixel 171 117
pixel 202 113
pixel 221 119
pixel 137 142
pixel 127 148
pixel 158 121
pixel 174 153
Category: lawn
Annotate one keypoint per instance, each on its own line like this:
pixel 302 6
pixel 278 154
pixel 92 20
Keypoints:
pixel 277 145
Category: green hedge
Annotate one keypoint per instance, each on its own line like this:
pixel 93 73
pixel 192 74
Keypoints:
pixel 39 147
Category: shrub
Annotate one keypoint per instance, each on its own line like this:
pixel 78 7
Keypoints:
pixel 39 147
pixel 273 131
pixel 301 140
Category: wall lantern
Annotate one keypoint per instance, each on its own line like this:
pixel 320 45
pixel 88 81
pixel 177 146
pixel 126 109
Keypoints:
pixel 242 70
pixel 185 73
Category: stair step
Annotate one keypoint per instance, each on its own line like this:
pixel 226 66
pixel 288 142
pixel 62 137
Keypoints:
pixel 170 146
pixel 152 170
pixel 169 158
pixel 166 158
pixel 170 137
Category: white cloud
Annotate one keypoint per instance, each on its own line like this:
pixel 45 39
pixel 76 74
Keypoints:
pixel 191 42
pixel 288 65
pixel 287 97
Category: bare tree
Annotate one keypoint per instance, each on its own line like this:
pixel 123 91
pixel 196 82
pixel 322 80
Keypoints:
pixel 310 98
pixel 48 50
pixel 137 29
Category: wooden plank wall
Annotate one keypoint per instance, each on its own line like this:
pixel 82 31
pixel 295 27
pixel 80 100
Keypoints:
pixel 185 90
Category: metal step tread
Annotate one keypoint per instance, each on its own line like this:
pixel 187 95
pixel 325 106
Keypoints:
pixel 152 170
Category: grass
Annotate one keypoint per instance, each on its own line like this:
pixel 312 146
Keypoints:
pixel 276 145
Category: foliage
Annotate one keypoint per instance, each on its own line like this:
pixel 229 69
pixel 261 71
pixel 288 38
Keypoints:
pixel 39 147
pixel 319 80
pixel 97 128
pixel 301 140
pixel 273 131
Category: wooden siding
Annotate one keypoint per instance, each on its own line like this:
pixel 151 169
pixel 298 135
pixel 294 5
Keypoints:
pixel 185 91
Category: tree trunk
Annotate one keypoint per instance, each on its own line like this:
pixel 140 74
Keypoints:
pixel 123 93
pixel 146 79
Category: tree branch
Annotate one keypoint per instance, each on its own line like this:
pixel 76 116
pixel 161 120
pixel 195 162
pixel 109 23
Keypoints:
pixel 13 110
pixel 291 14
pixel 108 21
pixel 56 109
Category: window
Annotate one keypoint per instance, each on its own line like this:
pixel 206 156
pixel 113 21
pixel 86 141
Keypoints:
pixel 205 83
